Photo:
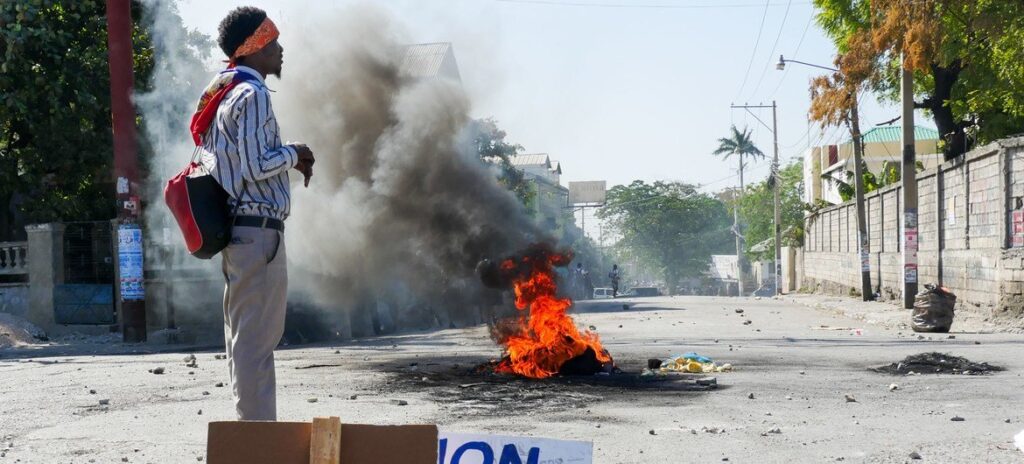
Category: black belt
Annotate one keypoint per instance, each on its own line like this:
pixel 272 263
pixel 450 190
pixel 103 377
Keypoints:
pixel 259 221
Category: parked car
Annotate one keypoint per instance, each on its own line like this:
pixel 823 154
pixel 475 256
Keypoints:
pixel 643 291
pixel 602 293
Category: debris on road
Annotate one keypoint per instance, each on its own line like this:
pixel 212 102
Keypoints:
pixel 219 384
pixel 957 419
pixel 190 361
pixel 708 382
pixel 937 363
pixel 157 371
pixel 400 402
pixel 750 396
pixel 850 398
pixel 915 456
pixel 220 356
pixel 739 311
pixel 775 431
pixel 893 387
pixel 933 309
pixel 689 362
pixel 312 400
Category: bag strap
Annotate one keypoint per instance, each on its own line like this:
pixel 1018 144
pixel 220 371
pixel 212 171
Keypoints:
pixel 195 154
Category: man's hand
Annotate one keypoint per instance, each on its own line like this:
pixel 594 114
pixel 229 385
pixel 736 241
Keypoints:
pixel 306 160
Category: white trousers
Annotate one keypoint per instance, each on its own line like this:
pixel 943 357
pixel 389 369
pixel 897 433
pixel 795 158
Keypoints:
pixel 255 297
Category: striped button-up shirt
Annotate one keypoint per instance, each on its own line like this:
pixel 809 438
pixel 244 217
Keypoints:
pixel 242 149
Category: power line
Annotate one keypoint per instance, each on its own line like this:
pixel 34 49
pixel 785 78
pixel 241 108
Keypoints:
pixel 778 36
pixel 639 5
pixel 753 53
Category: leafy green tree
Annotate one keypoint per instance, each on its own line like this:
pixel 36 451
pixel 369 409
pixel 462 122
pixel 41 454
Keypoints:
pixel 966 55
pixel 758 208
pixel 668 226
pixel 493 148
pixel 55 133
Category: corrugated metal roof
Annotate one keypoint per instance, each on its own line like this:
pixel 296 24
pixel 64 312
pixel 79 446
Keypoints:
pixel 895 134
pixel 531 159
pixel 425 60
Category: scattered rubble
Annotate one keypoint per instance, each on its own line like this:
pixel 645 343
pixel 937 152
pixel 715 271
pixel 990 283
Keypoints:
pixel 850 398
pixel 220 356
pixel 157 371
pixel 16 331
pixel 190 361
pixel 937 363
pixel 400 402
pixel 893 387
pixel 915 456
pixel 957 419
pixel 775 431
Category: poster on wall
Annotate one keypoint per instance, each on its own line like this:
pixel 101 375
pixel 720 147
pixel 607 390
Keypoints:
pixel 130 265
pixel 1017 221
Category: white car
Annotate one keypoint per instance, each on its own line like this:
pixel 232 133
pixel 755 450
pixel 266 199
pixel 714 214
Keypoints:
pixel 602 293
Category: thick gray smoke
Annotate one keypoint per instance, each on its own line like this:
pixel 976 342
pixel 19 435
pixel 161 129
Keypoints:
pixel 400 208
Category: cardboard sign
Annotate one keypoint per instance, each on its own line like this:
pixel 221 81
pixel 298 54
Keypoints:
pixel 465 448
pixel 255 442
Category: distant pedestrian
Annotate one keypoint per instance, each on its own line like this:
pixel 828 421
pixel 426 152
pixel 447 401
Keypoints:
pixel 614 276
pixel 588 285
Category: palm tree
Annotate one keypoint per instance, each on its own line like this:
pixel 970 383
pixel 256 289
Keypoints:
pixel 741 145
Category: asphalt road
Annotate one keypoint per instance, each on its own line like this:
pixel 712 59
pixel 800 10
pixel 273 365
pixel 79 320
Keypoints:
pixel 785 401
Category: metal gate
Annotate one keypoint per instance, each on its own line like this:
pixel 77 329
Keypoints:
pixel 87 295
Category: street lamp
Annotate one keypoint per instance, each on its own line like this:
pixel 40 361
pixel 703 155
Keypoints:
pixel 781 65
pixel 858 183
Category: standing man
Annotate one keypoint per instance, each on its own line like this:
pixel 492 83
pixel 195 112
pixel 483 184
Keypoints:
pixel 614 276
pixel 242 149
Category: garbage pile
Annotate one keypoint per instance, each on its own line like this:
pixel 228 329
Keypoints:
pixel 933 310
pixel 937 363
pixel 691 362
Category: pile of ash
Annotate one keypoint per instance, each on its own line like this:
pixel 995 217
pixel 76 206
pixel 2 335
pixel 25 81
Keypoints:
pixel 937 363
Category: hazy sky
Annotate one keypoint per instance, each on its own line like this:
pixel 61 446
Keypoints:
pixel 615 89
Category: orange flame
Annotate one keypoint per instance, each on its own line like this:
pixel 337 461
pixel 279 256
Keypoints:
pixel 547 337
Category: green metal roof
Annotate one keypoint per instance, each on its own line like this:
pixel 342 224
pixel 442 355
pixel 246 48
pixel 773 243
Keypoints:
pixel 895 134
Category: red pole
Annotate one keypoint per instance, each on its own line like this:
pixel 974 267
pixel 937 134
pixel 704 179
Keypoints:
pixel 129 233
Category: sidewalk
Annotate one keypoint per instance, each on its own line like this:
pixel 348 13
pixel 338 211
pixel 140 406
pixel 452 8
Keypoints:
pixel 890 315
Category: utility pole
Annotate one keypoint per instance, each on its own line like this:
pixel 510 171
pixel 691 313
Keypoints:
pixel 739 235
pixel 777 262
pixel 778 210
pixel 908 174
pixel 864 252
pixel 131 292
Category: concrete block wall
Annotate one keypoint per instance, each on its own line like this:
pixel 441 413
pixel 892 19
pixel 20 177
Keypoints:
pixel 965 210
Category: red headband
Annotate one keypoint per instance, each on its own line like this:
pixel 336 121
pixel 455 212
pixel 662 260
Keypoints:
pixel 266 33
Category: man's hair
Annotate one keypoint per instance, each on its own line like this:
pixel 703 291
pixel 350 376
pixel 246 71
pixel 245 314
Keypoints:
pixel 239 24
